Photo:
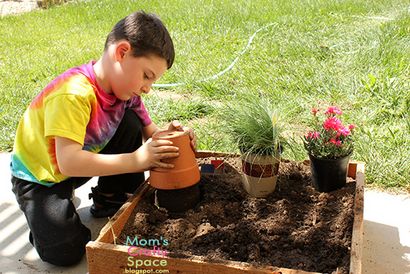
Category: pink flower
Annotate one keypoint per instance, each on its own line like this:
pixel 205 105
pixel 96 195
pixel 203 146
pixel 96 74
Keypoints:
pixel 315 111
pixel 329 138
pixel 338 143
pixel 332 123
pixel 344 131
pixel 333 110
pixel 312 135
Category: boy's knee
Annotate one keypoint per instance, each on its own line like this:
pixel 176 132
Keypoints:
pixel 65 253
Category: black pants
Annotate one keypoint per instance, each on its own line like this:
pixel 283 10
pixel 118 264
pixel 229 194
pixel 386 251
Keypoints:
pixel 56 230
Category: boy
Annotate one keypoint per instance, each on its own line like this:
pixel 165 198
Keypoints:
pixel 90 121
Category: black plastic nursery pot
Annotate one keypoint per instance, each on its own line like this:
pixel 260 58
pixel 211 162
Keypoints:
pixel 178 200
pixel 329 174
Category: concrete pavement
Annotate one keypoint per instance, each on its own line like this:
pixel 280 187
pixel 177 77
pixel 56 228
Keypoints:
pixel 17 7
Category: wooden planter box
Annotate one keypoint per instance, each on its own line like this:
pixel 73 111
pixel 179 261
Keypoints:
pixel 105 256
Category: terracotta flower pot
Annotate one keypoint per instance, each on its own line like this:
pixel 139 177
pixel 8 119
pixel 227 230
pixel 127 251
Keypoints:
pixel 185 172
pixel 329 174
pixel 260 174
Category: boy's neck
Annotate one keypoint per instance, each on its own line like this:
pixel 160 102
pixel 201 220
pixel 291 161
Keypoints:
pixel 100 76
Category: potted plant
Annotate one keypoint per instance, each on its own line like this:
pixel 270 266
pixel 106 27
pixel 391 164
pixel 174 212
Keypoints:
pixel 177 189
pixel 329 144
pixel 255 127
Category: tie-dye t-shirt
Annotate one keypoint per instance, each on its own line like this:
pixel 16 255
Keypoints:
pixel 72 106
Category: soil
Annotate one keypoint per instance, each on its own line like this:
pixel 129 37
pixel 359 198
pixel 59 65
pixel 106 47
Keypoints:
pixel 294 227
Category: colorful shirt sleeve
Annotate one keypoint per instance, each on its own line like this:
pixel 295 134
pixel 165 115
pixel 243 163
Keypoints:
pixel 61 109
pixel 66 115
pixel 138 106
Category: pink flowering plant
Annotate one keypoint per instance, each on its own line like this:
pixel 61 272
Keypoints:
pixel 329 138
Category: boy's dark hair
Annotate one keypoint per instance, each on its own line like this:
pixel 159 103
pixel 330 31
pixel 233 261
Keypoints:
pixel 146 34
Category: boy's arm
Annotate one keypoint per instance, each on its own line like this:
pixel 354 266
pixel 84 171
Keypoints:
pixel 149 130
pixel 75 162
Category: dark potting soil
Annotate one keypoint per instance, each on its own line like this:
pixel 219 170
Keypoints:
pixel 294 227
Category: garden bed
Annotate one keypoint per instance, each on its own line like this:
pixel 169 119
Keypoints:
pixel 293 230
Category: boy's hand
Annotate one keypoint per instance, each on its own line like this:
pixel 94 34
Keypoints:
pixel 176 125
pixel 150 154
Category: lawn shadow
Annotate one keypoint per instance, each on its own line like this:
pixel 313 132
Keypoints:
pixel 12 228
pixel 17 255
pixel 14 242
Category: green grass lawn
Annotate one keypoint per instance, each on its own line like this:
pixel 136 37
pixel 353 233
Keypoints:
pixel 355 54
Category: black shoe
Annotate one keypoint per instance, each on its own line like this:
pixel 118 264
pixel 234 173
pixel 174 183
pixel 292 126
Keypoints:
pixel 101 212
pixel 105 206
pixel 30 238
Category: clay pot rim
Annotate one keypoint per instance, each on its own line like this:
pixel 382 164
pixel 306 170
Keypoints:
pixel 329 159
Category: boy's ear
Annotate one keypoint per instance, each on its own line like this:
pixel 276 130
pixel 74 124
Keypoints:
pixel 121 49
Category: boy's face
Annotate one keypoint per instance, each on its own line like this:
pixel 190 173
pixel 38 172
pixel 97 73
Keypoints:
pixel 133 76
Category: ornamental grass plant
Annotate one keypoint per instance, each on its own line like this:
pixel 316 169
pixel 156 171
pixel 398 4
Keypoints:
pixel 254 125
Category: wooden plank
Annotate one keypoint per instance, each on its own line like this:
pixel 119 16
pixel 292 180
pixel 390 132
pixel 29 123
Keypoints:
pixel 207 153
pixel 117 260
pixel 357 233
pixel 353 168
pixel 105 257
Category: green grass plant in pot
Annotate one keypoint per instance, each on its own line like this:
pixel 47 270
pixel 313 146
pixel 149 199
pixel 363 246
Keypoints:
pixel 256 128
pixel 329 144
